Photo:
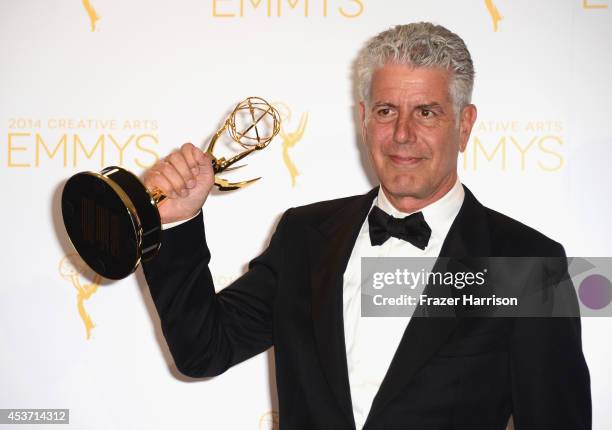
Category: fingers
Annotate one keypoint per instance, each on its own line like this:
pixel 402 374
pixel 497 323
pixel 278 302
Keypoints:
pixel 181 166
pixel 154 178
pixel 175 169
pixel 188 151
pixel 169 180
pixel 200 157
pixel 176 174
pixel 197 161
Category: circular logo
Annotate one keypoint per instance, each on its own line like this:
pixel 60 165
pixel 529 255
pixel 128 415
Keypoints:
pixel 595 291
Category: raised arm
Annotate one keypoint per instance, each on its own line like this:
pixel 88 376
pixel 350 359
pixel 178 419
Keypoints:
pixel 206 332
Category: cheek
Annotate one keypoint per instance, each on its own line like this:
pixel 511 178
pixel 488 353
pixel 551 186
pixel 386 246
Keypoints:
pixel 372 140
pixel 447 152
pixel 379 137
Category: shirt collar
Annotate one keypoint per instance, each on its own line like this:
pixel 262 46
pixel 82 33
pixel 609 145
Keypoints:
pixel 439 214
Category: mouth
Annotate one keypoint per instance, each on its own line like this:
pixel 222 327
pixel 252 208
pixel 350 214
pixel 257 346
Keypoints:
pixel 405 161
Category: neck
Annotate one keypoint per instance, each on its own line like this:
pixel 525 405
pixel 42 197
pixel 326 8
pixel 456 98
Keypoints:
pixel 411 204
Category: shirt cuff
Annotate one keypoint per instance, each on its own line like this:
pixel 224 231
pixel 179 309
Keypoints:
pixel 175 223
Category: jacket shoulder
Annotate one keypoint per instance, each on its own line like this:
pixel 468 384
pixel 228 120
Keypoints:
pixel 510 235
pixel 318 212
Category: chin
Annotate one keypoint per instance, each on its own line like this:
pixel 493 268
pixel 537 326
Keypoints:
pixel 405 187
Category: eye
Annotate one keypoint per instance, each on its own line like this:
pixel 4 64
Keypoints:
pixel 385 113
pixel 426 113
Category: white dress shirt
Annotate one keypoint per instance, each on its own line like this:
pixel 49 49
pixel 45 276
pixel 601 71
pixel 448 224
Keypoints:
pixel 371 341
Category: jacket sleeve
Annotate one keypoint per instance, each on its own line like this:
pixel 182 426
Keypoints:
pixel 550 377
pixel 209 332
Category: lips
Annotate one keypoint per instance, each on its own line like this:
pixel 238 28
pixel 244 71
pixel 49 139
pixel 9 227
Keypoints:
pixel 405 160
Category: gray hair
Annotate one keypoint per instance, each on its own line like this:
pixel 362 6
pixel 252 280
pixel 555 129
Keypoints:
pixel 421 44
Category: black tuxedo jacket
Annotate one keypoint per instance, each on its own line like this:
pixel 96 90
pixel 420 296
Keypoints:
pixel 447 373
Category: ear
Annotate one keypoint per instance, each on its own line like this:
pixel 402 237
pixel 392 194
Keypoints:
pixel 466 122
pixel 362 117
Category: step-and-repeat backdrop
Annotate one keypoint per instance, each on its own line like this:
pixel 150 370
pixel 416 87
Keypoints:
pixel 86 84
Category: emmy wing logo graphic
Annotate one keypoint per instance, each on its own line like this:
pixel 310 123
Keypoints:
pixel 91 12
pixel 495 15
pixel 71 269
pixel 290 138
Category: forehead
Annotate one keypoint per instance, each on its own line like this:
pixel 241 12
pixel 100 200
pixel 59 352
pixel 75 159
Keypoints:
pixel 395 80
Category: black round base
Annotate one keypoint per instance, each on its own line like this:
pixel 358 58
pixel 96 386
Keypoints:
pixel 111 221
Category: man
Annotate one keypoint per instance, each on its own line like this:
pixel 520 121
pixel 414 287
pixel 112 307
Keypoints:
pixel 335 369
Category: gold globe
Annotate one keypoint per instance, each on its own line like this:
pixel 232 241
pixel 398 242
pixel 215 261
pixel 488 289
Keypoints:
pixel 253 123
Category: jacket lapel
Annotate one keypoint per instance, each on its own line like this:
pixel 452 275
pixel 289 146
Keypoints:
pixel 330 248
pixel 467 237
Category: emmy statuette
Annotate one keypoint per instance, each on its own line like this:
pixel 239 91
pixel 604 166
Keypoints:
pixel 112 219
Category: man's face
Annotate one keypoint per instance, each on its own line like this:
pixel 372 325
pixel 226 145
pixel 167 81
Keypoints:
pixel 411 133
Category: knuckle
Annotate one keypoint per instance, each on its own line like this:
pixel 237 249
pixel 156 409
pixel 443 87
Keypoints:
pixel 166 167
pixel 175 157
pixel 156 167
pixel 151 174
pixel 153 181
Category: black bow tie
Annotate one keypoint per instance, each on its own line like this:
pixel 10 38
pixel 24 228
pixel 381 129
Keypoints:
pixel 413 228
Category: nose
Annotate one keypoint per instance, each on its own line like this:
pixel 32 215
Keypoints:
pixel 404 131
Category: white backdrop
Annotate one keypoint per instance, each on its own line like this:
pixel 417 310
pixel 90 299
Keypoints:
pixel 85 84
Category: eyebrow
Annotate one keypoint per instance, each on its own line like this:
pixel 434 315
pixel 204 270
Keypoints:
pixel 431 106
pixel 378 104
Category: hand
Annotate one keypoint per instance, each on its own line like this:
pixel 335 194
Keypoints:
pixel 185 177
